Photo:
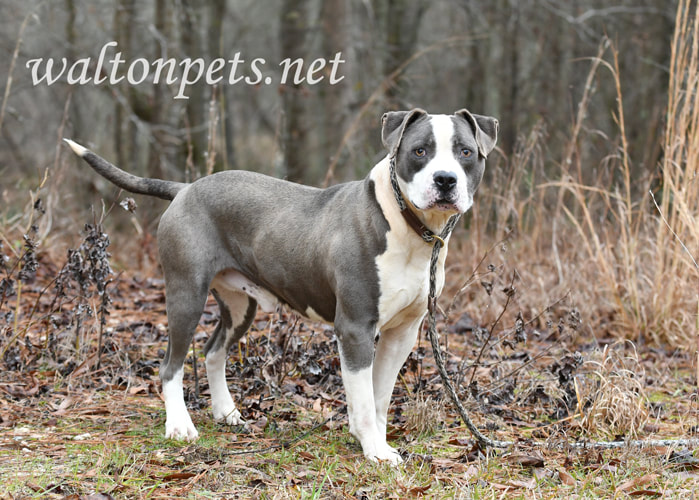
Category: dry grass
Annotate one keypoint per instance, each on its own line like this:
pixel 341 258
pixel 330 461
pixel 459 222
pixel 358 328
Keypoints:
pixel 677 239
pixel 623 239
pixel 423 415
pixel 611 398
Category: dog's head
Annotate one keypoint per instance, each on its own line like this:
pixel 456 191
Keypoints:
pixel 439 158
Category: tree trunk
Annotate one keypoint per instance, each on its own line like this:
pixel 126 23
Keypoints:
pixel 156 153
pixel 197 108
pixel 71 37
pixel 334 105
pixel 293 26
pixel 217 12
pixel 402 19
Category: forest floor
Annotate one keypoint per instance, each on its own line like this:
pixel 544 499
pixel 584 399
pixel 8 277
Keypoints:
pixel 74 425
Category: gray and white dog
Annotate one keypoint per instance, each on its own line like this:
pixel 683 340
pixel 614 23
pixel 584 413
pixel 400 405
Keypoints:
pixel 346 255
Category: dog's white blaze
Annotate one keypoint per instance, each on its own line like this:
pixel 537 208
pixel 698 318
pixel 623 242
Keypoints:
pixel 421 190
pixel 403 271
pixel 222 403
pixel 403 280
pixel 178 423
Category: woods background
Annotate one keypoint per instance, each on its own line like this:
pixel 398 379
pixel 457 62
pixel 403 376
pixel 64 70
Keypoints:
pixel 524 62
pixel 580 88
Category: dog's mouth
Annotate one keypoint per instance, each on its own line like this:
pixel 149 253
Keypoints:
pixel 444 205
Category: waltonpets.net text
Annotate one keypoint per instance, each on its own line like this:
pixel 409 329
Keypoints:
pixel 184 73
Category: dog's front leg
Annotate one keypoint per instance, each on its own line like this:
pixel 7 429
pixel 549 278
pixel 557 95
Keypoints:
pixel 356 353
pixel 392 350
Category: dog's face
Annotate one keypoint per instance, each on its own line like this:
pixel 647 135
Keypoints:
pixel 439 158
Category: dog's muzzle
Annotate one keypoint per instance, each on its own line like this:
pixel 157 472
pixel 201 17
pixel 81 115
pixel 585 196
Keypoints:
pixel 445 182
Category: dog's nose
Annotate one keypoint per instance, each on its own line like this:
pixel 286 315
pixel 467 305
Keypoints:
pixel 445 181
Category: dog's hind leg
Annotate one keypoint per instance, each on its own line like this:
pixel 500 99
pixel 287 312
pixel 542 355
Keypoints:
pixel 185 304
pixel 237 313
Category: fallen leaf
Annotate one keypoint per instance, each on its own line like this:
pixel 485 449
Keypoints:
pixel 504 487
pixel 419 490
pixel 566 478
pixel 525 460
pixel 542 473
pixel 138 389
pixel 176 476
pixel 460 441
pixel 648 493
pixel 65 404
pixel 529 485
pixel 639 481
pixel 471 472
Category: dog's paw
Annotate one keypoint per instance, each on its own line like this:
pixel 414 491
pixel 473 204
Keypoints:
pixel 384 453
pixel 181 429
pixel 231 416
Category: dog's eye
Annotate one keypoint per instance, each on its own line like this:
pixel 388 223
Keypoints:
pixel 465 153
pixel 420 152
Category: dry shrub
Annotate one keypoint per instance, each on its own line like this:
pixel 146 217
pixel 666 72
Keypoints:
pixel 423 415
pixel 677 241
pixel 632 255
pixel 611 397
pixel 623 239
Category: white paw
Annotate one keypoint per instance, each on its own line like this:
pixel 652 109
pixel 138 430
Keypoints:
pixel 229 415
pixel 181 429
pixel 384 452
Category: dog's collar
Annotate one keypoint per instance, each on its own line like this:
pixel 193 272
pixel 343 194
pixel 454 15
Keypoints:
pixel 411 217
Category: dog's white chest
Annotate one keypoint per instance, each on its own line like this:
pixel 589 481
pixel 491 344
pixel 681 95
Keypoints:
pixel 404 281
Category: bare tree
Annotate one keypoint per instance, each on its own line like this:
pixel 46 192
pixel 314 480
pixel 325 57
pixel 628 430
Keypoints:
pixel 197 105
pixel 156 152
pixel 401 19
pixel 292 36
pixel 334 106
pixel 217 13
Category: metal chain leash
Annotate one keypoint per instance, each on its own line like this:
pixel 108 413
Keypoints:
pixel 394 183
pixel 437 243
pixel 432 333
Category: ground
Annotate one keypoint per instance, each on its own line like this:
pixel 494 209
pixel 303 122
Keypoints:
pixel 75 424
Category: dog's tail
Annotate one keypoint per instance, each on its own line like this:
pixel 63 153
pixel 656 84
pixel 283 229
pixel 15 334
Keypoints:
pixel 134 184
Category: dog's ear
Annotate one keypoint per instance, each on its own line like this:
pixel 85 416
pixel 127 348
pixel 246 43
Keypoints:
pixel 394 124
pixel 485 130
